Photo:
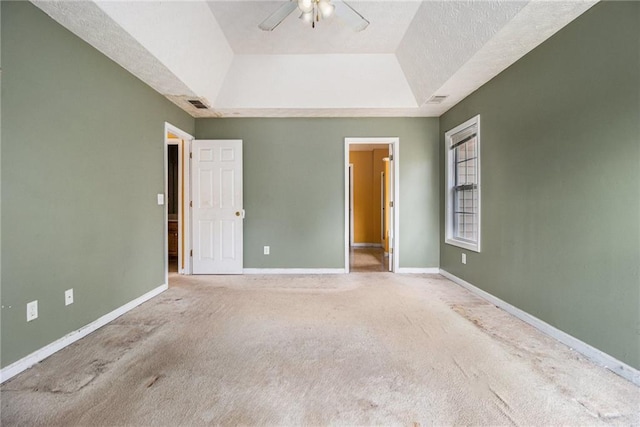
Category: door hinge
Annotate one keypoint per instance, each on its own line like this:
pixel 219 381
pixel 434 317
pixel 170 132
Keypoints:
pixel 390 250
pixel 191 204
pixel 191 252
pixel 391 204
pixel 391 157
pixel 191 155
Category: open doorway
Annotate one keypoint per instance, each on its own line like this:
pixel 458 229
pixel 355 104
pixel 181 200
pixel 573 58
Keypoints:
pixel 173 175
pixel 176 188
pixel 371 204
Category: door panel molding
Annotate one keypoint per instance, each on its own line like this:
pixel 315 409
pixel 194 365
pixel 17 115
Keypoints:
pixel 217 213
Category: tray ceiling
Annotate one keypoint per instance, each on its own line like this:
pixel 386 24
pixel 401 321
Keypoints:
pixel 411 51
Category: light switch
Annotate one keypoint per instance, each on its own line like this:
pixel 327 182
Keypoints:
pixel 161 199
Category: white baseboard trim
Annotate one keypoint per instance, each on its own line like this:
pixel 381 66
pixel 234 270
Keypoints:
pixel 367 245
pixel 26 362
pixel 411 270
pixel 597 356
pixel 293 271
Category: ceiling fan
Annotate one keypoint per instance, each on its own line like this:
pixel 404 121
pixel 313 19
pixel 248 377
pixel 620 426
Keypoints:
pixel 313 11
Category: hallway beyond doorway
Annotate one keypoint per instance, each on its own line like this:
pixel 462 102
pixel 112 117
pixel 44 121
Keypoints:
pixel 375 191
pixel 368 260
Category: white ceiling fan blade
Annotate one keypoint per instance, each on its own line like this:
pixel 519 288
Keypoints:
pixel 350 16
pixel 278 16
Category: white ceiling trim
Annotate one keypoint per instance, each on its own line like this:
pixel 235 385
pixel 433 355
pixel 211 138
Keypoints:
pixel 309 112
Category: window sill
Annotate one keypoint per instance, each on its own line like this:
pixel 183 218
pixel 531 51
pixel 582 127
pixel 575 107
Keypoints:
pixel 475 247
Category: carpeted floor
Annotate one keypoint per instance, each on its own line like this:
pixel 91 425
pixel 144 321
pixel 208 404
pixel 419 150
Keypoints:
pixel 359 349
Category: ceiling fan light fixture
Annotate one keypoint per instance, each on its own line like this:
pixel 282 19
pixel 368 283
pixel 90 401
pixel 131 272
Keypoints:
pixel 305 6
pixel 326 8
pixel 313 11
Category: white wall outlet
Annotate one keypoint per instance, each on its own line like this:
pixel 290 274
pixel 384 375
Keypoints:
pixel 68 296
pixel 267 250
pixel 464 258
pixel 161 199
pixel 32 310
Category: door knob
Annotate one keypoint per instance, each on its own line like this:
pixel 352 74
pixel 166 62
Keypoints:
pixel 237 213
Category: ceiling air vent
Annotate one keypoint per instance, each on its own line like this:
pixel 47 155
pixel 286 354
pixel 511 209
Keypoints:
pixel 437 99
pixel 198 104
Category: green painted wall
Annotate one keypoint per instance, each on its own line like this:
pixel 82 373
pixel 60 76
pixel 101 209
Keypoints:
pixel 82 162
pixel 560 188
pixel 294 187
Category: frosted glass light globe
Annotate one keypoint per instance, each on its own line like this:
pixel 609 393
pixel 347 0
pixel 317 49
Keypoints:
pixel 326 8
pixel 305 6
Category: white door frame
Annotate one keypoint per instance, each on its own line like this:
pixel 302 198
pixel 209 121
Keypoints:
pixel 184 148
pixel 394 142
pixel 350 204
pixel 383 208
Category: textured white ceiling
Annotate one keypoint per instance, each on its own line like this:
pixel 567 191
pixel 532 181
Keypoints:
pixel 444 36
pixel 89 22
pixel 193 46
pixel 239 22
pixel 411 51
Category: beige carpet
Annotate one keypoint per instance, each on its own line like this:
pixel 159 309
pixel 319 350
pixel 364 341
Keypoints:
pixel 358 349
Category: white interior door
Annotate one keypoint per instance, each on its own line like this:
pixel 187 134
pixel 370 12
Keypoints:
pixel 217 214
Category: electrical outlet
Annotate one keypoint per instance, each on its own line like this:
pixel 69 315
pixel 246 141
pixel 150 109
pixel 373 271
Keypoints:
pixel 32 310
pixel 267 250
pixel 464 258
pixel 68 296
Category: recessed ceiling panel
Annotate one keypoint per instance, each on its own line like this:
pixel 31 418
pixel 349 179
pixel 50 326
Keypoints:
pixel 315 81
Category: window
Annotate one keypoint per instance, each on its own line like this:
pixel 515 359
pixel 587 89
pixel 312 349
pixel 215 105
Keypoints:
pixel 462 220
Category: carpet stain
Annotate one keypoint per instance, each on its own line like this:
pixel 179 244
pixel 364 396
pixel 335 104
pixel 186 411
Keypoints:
pixel 153 380
pixel 366 404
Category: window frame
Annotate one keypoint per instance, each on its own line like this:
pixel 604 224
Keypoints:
pixel 450 183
